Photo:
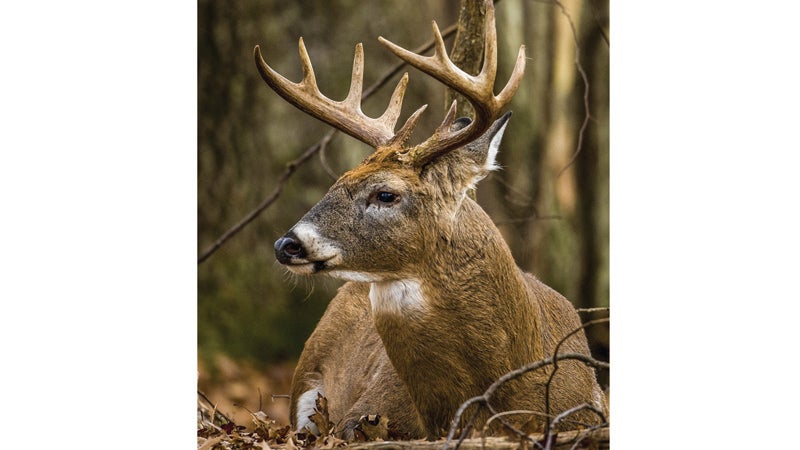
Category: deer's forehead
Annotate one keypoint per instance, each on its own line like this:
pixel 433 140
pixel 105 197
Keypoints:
pixel 374 174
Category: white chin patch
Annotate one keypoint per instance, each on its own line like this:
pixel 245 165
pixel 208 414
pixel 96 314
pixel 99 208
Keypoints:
pixel 301 269
pixel 396 297
pixel 349 275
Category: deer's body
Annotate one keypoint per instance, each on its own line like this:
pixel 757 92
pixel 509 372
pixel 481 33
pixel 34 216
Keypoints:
pixel 435 309
pixel 469 329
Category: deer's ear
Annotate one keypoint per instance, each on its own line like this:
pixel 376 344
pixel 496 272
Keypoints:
pixel 461 169
pixel 482 152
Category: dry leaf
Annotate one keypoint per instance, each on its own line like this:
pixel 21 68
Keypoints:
pixel 374 426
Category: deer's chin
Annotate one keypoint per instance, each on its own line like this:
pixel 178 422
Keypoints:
pixel 308 266
pixel 352 275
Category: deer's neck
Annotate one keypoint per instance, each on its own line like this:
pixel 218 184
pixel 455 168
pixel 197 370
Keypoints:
pixel 460 323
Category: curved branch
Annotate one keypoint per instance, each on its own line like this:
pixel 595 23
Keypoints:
pixel 490 391
pixel 282 180
pixel 555 367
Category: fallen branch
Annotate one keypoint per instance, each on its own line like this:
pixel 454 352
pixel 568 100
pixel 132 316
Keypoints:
pixel 214 411
pixel 569 412
pixel 483 400
pixel 555 369
pixel 507 413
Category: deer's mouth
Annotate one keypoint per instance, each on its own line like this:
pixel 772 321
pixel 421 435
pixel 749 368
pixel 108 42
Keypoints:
pixel 310 267
pixel 304 251
pixel 306 268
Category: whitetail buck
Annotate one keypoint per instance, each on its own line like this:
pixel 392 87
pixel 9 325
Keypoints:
pixel 435 308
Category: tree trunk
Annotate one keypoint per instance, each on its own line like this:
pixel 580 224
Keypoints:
pixel 467 52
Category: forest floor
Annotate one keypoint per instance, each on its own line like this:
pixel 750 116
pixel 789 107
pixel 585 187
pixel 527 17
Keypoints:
pixel 250 410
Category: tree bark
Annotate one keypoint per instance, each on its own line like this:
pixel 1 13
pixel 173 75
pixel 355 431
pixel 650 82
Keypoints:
pixel 467 51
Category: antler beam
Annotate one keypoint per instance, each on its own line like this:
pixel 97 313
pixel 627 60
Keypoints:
pixel 478 89
pixel 379 132
pixel 345 115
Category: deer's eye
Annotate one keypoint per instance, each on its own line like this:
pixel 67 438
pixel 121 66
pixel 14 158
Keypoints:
pixel 386 197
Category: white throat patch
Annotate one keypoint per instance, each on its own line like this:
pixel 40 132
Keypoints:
pixel 396 297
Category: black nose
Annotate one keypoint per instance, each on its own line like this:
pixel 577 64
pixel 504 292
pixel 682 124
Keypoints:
pixel 288 247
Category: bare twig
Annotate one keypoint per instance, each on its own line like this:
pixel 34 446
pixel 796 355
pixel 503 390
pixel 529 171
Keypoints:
pixel 521 434
pixel 555 368
pixel 506 413
pixel 585 78
pixel 323 160
pixel 483 400
pixel 591 310
pixel 585 434
pixel 468 426
pixel 214 405
pixel 569 412
pixel 310 151
pixel 282 180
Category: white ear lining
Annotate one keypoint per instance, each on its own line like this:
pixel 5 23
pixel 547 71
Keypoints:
pixel 494 146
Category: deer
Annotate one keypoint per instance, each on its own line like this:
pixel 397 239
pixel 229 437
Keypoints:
pixel 434 307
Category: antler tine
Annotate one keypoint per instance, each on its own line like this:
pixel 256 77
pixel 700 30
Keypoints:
pixel 345 115
pixel 309 79
pixel 353 99
pixel 479 90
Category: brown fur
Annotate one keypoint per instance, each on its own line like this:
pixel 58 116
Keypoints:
pixel 483 317
pixel 436 309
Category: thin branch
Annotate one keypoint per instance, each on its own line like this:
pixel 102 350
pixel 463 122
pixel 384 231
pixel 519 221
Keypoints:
pixel 282 180
pixel 468 427
pixel 591 310
pixel 527 219
pixel 323 160
pixel 521 434
pixel 585 434
pixel 558 418
pixel 310 151
pixel 214 405
pixel 506 413
pixel 490 391
pixel 555 367
pixel 585 78
pixel 581 407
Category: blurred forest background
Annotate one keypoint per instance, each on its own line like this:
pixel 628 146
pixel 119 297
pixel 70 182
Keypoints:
pixel 550 200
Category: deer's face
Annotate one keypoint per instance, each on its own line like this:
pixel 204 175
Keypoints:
pixel 370 226
pixel 378 221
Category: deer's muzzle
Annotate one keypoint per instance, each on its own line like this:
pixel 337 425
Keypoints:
pixel 288 247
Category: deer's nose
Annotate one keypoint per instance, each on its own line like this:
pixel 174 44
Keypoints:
pixel 288 247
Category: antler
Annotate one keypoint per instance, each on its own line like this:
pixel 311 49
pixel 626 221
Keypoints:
pixel 479 90
pixel 379 132
pixel 345 115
